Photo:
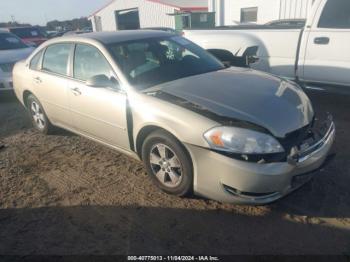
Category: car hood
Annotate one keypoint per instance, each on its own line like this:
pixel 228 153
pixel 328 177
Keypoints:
pixel 242 95
pixel 12 56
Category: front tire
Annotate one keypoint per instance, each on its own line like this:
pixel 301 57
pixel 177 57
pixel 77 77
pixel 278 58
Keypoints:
pixel 168 163
pixel 38 116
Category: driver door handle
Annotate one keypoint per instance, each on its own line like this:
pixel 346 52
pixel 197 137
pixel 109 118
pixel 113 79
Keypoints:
pixel 76 91
pixel 321 40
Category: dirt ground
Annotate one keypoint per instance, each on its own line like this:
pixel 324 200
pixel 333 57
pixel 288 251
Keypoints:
pixel 66 195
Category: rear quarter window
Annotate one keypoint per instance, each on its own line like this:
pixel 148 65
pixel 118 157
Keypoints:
pixel 35 62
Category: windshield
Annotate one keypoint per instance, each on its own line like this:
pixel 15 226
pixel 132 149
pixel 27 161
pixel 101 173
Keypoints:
pixel 9 41
pixel 149 62
pixel 28 32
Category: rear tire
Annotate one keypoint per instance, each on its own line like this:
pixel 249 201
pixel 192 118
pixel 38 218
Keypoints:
pixel 168 163
pixel 38 116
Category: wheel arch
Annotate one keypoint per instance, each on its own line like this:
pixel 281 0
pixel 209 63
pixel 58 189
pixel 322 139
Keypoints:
pixel 148 129
pixel 25 96
pixel 142 134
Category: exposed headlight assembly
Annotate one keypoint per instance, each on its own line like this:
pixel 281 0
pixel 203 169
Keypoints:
pixel 242 141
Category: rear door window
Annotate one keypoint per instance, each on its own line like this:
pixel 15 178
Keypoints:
pixel 56 58
pixel 336 14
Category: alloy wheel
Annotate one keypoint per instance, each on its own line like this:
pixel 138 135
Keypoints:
pixel 38 115
pixel 166 165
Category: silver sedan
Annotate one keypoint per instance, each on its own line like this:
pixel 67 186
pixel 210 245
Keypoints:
pixel 229 134
pixel 12 49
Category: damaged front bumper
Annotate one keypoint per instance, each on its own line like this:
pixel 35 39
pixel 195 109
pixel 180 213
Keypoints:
pixel 319 137
pixel 230 180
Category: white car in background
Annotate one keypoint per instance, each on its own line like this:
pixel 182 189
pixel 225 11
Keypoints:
pixel 317 55
pixel 12 50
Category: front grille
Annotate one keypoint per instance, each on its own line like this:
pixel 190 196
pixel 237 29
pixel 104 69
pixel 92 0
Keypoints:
pixel 296 138
pixel 315 131
pixel 309 140
pixel 318 142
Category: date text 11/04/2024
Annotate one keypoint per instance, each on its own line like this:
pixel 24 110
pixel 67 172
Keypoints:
pixel 173 258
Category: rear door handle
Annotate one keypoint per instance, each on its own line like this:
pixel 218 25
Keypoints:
pixel 37 80
pixel 321 40
pixel 76 91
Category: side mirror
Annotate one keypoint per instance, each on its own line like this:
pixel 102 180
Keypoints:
pixel 102 81
pixel 250 55
pixel 252 60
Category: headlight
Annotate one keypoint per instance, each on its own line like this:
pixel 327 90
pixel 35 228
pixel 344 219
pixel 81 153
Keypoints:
pixel 7 68
pixel 242 141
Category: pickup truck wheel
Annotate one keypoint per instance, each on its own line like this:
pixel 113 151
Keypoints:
pixel 168 163
pixel 38 116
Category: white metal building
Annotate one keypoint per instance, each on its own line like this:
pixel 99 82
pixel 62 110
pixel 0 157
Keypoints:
pixel 133 14
pixel 232 12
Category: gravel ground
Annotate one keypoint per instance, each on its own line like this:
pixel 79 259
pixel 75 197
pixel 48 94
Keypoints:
pixel 65 195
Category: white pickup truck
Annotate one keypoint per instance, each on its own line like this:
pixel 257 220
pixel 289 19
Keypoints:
pixel 317 54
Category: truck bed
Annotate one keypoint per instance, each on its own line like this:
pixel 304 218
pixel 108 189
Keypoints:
pixel 253 27
pixel 277 47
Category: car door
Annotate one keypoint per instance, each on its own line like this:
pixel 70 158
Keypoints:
pixel 49 79
pixel 97 112
pixel 327 56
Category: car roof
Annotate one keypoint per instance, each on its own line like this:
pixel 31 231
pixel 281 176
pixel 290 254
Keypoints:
pixel 117 37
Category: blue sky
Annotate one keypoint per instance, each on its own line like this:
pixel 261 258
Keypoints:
pixel 42 11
